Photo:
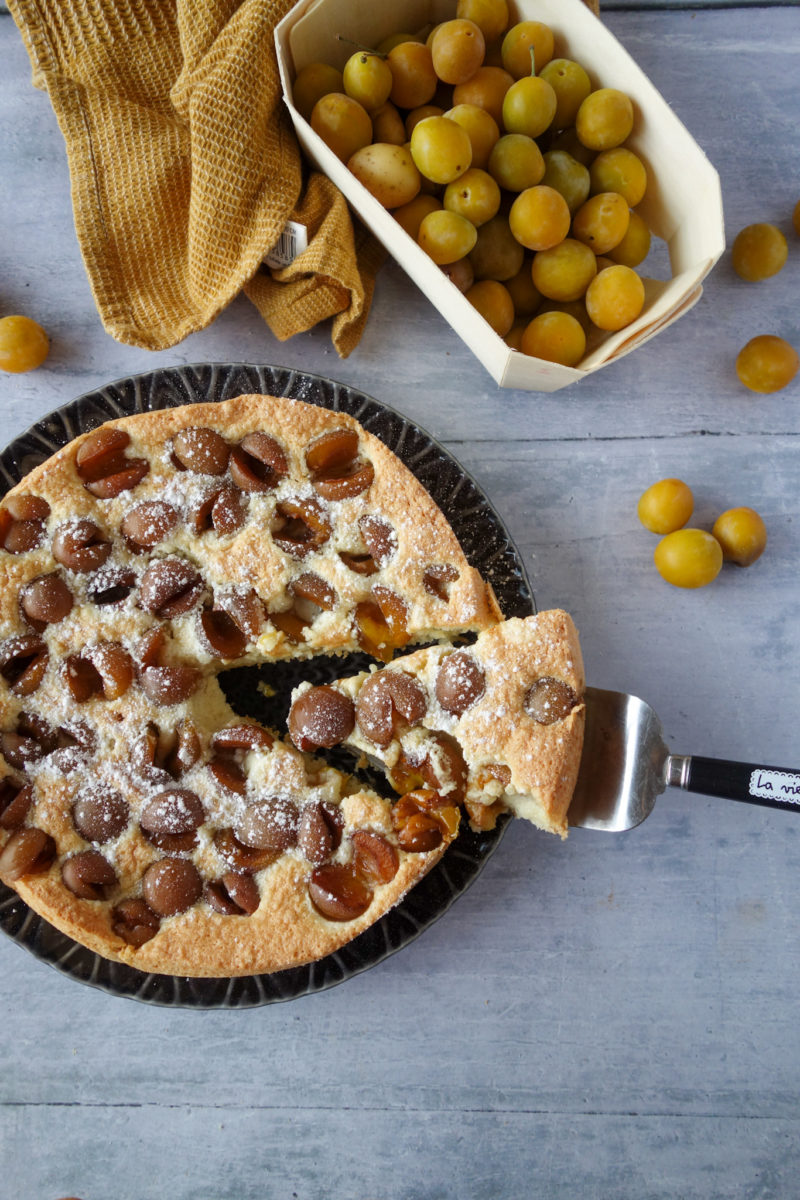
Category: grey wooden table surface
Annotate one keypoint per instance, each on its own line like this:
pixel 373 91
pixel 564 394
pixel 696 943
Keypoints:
pixel 607 1017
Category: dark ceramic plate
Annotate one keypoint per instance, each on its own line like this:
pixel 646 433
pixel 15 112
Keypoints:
pixel 487 546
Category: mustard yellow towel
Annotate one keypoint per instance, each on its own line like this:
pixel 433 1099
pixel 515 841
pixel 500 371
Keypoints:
pixel 184 167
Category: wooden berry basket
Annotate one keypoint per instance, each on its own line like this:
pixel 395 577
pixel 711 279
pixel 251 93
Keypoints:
pixel 683 205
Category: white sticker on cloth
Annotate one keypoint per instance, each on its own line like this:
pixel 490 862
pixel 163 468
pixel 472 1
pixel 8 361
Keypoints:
pixel 293 241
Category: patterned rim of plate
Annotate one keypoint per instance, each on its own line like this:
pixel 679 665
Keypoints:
pixel 486 544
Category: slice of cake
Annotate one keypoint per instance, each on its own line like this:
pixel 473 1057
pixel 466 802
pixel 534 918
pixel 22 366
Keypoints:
pixel 497 726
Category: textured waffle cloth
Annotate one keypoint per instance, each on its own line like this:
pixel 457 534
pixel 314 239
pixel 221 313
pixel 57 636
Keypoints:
pixel 185 168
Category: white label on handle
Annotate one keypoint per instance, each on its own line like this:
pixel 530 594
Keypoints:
pixel 293 241
pixel 775 785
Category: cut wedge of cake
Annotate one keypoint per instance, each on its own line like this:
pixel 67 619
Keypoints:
pixel 497 726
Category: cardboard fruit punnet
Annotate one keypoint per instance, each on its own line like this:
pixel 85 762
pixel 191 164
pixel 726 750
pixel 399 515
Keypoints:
pixel 683 204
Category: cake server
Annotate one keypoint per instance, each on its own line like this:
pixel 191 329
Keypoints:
pixel 626 765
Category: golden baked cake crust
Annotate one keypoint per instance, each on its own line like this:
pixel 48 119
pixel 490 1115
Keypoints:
pixel 137 563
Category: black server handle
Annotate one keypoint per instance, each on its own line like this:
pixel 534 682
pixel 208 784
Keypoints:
pixel 770 787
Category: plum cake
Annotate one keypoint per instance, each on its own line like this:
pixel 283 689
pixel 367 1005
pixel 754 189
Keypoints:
pixel 138 813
